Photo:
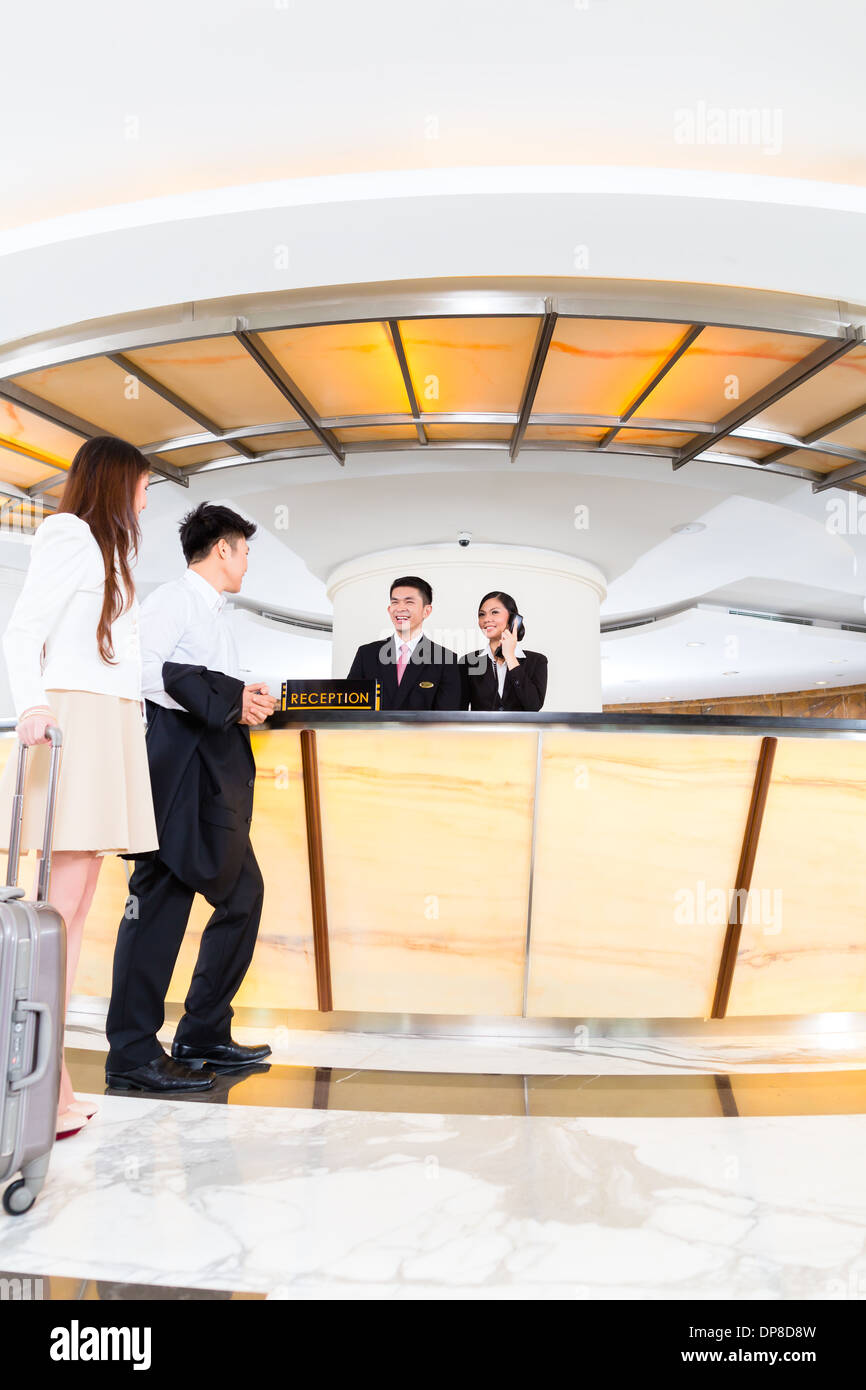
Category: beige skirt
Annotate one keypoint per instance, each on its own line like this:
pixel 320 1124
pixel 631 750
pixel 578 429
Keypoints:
pixel 104 802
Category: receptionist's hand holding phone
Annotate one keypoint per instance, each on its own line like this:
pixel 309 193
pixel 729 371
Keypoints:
pixel 508 642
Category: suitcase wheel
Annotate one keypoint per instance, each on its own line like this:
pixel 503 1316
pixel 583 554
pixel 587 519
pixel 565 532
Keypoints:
pixel 18 1198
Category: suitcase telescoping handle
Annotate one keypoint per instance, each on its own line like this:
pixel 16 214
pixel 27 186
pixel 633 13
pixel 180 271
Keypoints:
pixel 53 733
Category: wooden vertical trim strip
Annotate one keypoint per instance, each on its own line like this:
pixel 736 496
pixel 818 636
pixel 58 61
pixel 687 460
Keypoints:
pixel 315 851
pixel 760 788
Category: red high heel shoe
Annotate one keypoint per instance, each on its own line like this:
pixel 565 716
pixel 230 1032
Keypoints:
pixel 67 1126
pixel 85 1108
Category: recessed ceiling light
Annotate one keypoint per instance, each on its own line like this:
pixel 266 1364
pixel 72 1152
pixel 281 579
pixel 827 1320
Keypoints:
pixel 696 644
pixel 820 682
pixel 730 673
pixel 688 528
pixel 839 660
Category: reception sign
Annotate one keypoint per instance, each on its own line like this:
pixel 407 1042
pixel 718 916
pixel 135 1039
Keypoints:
pixel 324 695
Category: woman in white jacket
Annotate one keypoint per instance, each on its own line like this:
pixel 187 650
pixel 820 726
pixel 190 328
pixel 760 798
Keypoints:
pixel 72 652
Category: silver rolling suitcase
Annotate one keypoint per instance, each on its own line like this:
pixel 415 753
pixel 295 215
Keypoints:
pixel 32 1008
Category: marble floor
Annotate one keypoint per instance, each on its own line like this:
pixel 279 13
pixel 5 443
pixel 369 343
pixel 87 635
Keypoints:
pixel 584 1053
pixel 357 1167
pixel 307 1204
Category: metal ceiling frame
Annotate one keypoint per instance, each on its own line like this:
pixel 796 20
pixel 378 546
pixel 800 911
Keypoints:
pixel 691 333
pixel 820 357
pixel 279 377
pixel 833 340
pixel 172 398
pixel 542 345
pixel 85 429
pixel 399 349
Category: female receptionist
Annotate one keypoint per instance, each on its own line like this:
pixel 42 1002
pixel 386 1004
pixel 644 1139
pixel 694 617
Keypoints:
pixel 502 675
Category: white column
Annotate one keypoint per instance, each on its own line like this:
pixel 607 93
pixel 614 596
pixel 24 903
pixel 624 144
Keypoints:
pixel 558 595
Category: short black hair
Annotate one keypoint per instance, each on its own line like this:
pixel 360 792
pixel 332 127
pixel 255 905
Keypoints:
pixel 411 581
pixel 205 525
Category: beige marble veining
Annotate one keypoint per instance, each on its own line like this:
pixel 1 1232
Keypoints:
pixel 637 844
pixel 804 948
pixel 427 837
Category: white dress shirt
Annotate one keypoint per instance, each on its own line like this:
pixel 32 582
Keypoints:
pixel 501 668
pixel 50 642
pixel 184 621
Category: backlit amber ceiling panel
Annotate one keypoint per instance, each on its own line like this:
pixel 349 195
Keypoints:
pixel 20 470
pixel 97 390
pixel 473 365
pixel 743 447
pixel 438 433
pixel 722 369
pixel 565 432
pixel 660 439
pixel 816 461
pixel 218 377
pixel 469 364
pixel 599 366
pixel 342 368
pixel 832 392
pixel 196 453
pixel 367 434
pixel 292 439
pixel 853 436
pixel 28 430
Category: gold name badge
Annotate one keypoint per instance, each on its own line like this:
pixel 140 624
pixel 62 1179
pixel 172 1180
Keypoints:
pixel 426 685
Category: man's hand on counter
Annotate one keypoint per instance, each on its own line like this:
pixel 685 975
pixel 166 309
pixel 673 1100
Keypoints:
pixel 259 704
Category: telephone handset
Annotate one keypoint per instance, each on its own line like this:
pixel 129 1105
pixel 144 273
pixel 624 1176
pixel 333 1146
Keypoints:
pixel 518 630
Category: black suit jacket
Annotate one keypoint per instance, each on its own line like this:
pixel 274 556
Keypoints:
pixel 525 687
pixel 202 774
pixel 431 679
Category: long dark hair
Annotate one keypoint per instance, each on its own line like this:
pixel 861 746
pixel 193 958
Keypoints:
pixel 100 488
pixel 508 602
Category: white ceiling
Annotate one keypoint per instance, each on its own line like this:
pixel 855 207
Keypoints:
pixel 111 104
pixel 729 655
pixel 767 541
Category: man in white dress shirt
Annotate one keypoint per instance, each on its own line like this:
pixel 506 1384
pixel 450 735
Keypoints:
pixel 202 775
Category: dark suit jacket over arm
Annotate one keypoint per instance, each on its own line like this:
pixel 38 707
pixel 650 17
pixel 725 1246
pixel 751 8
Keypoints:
pixel 202 774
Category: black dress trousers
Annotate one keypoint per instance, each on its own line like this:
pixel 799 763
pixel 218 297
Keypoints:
pixel 146 952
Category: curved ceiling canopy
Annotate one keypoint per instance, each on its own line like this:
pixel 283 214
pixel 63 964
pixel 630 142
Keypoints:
pixel 431 372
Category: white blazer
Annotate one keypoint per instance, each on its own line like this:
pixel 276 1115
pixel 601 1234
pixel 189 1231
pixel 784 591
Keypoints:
pixel 59 608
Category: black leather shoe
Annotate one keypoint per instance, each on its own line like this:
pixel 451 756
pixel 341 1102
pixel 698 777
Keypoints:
pixel 220 1055
pixel 162 1074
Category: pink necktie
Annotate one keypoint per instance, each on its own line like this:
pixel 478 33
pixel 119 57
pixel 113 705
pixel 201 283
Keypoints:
pixel 402 660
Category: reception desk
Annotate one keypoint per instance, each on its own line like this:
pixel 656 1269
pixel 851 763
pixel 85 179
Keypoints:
pixel 548 867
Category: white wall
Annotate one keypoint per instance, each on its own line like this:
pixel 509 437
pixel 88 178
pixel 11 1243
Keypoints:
pixel 10 587
pixel 271 652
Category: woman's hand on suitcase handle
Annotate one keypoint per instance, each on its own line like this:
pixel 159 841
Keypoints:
pixel 33 724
